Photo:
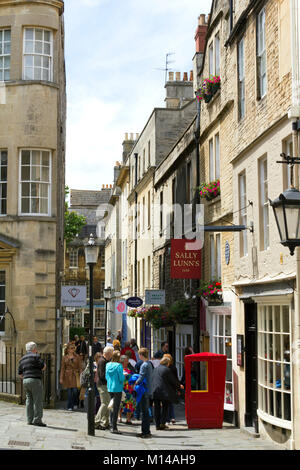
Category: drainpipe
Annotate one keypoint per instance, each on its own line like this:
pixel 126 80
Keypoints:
pixel 135 233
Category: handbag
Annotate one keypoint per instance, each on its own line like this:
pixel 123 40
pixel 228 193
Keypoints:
pixel 111 404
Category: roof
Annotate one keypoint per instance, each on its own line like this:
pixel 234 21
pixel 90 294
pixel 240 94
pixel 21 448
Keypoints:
pixel 80 197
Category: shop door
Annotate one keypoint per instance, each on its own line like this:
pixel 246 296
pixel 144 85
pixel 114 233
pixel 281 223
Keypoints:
pixel 251 364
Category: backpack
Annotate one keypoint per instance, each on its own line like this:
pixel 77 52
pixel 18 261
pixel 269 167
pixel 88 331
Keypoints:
pixel 85 377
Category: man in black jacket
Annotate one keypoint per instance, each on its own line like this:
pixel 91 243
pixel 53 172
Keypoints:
pixel 30 369
pixel 102 417
pixel 165 391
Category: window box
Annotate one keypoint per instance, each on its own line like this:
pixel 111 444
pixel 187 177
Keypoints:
pixel 209 88
pixel 211 291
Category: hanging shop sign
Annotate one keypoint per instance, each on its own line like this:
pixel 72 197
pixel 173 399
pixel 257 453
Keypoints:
pixel 134 302
pixel 185 259
pixel 120 307
pixel 73 296
pixel 155 297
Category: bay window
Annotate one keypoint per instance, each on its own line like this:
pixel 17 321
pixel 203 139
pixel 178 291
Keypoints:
pixel 38 54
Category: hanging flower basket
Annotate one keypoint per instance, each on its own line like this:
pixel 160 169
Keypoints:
pixel 211 291
pixel 210 190
pixel 180 311
pixel 209 88
pixel 160 317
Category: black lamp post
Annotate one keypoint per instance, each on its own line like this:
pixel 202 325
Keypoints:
pixel 286 209
pixel 91 257
pixel 107 293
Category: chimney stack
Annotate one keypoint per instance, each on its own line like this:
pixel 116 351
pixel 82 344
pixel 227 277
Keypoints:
pixel 179 91
pixel 200 35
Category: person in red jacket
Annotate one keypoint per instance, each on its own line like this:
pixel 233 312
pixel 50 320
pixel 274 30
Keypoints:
pixel 128 348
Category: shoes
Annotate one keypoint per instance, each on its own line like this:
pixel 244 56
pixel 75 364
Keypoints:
pixel 115 431
pixel 163 426
pixel 75 407
pixel 173 421
pixel 30 424
pixel 102 428
pixel 130 423
pixel 70 409
pixel 145 436
pixel 40 424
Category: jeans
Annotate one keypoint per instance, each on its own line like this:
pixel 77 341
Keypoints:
pixel 117 396
pixel 34 400
pixel 72 397
pixel 171 412
pixel 144 404
pixel 161 408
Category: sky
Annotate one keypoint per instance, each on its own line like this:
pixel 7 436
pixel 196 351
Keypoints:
pixel 113 49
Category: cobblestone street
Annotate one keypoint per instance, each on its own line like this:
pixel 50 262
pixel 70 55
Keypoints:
pixel 68 430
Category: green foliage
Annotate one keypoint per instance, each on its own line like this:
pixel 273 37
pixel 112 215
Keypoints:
pixel 76 331
pixel 179 310
pixel 73 221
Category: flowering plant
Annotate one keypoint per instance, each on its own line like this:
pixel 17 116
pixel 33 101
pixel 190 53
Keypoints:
pixel 210 190
pixel 159 316
pixel 209 87
pixel 211 290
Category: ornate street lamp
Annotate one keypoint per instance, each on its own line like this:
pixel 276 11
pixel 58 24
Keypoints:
pixel 107 296
pixel 286 209
pixel 91 257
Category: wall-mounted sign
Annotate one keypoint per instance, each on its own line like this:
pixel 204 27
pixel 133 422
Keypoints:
pixel 134 302
pixel 185 259
pixel 155 297
pixel 73 296
pixel 227 253
pixel 120 307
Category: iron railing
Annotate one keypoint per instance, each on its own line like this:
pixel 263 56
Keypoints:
pixel 12 384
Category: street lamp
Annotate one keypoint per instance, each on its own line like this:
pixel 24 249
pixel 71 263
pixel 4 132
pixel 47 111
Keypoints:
pixel 107 294
pixel 286 209
pixel 91 257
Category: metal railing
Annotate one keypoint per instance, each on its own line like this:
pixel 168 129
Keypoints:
pixel 12 384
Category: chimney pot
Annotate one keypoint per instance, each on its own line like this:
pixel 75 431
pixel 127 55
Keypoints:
pixel 208 18
pixel 131 136
pixel 191 76
pixel 137 135
pixel 126 135
pixel 171 76
pixel 201 20
pixel 185 77
pixel 178 76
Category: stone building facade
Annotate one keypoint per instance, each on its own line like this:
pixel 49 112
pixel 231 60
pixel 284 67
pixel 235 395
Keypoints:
pixel 32 148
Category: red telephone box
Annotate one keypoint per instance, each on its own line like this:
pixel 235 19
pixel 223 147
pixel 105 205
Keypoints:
pixel 205 375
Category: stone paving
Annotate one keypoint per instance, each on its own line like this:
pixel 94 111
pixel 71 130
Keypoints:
pixel 68 430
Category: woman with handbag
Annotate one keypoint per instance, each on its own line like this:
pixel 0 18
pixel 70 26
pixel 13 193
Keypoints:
pixel 115 380
pixel 70 370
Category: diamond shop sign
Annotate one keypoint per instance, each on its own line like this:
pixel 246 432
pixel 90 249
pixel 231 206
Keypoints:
pixel 73 296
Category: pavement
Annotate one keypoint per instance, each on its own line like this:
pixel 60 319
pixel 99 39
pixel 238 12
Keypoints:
pixel 68 430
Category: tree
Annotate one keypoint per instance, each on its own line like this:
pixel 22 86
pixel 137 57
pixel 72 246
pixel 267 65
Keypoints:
pixel 73 221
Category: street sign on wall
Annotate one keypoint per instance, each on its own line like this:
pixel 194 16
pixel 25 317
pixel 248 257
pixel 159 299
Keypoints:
pixel 73 296
pixel 155 297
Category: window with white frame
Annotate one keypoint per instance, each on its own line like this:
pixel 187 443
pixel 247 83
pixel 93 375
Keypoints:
pixel 3 182
pixel 241 79
pixel 274 363
pixel 261 54
pixel 211 58
pixel 217 54
pixel 35 182
pixel 243 213
pixel 212 257
pixel 124 258
pixel 38 54
pixel 214 56
pixel 184 339
pixel 73 257
pixel 5 47
pixel 222 345
pixel 264 203
pixel 218 256
pixel 99 318
pixel 149 153
pixel 214 158
pixel 2 300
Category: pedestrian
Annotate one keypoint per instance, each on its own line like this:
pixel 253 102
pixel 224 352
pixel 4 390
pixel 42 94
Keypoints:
pixel 119 336
pixel 96 346
pixel 71 367
pixel 132 363
pixel 187 351
pixel 135 348
pixel 115 379
pixel 164 350
pixel 102 417
pixel 128 348
pixel 146 371
pixel 81 349
pixel 109 342
pixel 97 357
pixel 117 345
pixel 173 369
pixel 30 370
pixel 165 391
pixel 128 404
